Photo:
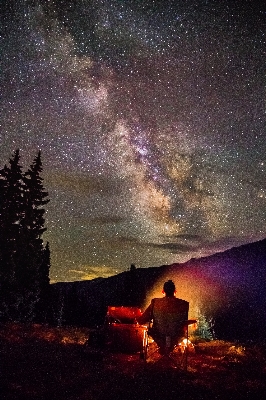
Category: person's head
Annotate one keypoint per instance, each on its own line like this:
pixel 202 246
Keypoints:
pixel 169 288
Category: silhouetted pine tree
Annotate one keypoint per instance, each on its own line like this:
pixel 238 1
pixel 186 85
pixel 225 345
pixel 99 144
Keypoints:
pixel 12 187
pixel 24 260
pixel 35 257
pixel 3 190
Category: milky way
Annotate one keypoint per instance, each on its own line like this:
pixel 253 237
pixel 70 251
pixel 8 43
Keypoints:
pixel 150 116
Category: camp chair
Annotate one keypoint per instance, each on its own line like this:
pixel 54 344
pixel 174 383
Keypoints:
pixel 167 333
pixel 122 331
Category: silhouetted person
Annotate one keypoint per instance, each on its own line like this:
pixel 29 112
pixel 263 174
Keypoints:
pixel 169 317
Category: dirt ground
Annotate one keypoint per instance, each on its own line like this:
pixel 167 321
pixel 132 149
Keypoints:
pixel 40 362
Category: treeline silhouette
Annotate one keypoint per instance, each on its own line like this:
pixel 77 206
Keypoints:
pixel 24 258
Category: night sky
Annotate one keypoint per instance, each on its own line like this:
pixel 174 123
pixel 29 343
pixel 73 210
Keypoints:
pixel 150 116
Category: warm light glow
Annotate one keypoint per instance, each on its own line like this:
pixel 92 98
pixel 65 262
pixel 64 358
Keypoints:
pixel 186 343
pixel 193 285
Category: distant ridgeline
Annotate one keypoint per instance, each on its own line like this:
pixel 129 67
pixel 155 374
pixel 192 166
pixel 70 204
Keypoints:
pixel 226 292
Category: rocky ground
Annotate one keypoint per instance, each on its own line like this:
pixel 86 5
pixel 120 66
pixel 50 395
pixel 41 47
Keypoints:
pixel 41 362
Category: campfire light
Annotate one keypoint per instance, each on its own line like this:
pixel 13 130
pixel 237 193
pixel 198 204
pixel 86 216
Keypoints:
pixel 186 343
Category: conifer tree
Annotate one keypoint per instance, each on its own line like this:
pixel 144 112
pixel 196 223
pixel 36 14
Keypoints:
pixel 36 259
pixel 36 198
pixel 12 189
pixel 24 262
pixel 12 201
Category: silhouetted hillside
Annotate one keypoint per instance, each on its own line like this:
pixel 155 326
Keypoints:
pixel 228 289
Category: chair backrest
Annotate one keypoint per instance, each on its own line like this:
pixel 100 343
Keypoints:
pixel 170 315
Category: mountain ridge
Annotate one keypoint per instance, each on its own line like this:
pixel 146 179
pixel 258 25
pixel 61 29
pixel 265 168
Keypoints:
pixel 228 287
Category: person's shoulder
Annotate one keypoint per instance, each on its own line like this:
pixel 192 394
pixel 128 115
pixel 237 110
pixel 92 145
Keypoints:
pixel 181 301
pixel 157 300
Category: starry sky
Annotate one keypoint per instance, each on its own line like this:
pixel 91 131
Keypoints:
pixel 150 116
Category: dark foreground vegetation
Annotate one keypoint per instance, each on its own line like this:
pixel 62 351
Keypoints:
pixel 40 362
